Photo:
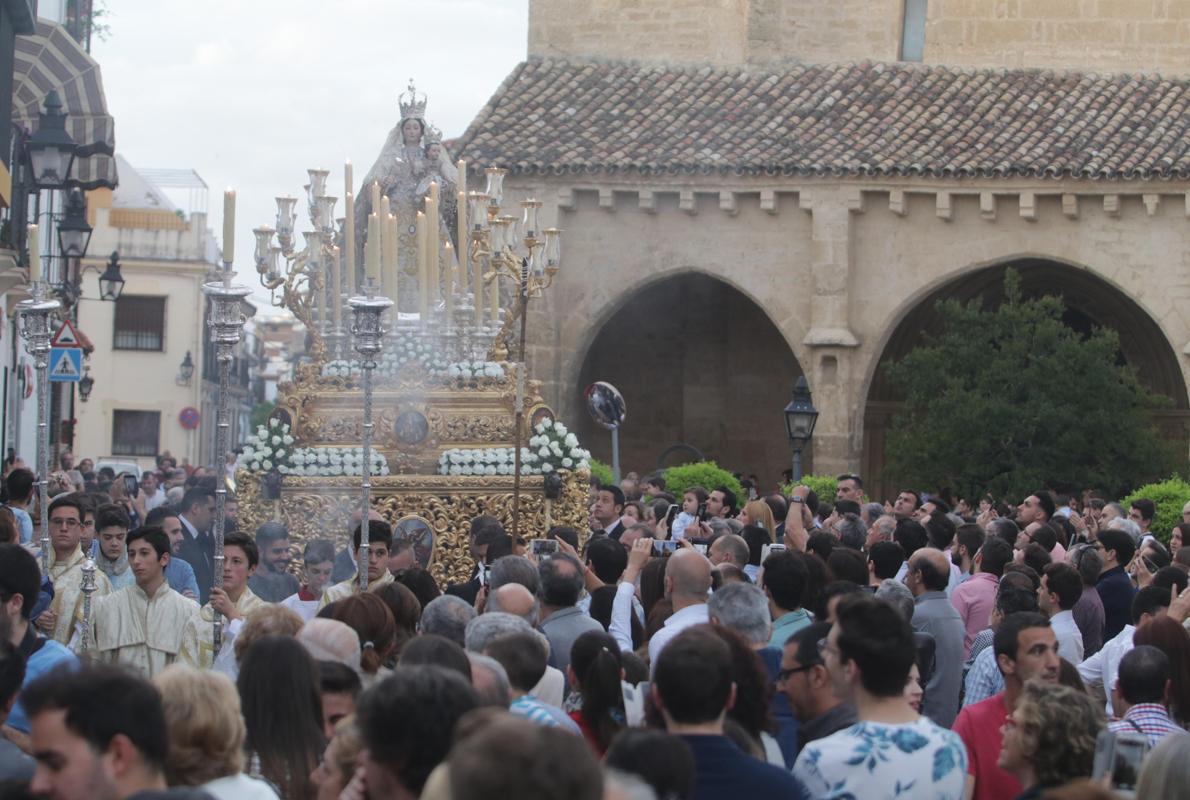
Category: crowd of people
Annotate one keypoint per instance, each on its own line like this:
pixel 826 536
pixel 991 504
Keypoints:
pixel 699 646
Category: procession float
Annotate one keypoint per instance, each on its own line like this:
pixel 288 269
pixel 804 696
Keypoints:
pixel 414 400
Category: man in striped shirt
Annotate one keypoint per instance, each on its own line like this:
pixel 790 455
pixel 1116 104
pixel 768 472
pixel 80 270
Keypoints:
pixel 1142 693
pixel 523 656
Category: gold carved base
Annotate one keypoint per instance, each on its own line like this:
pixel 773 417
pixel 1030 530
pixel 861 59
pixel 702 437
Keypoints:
pixel 445 505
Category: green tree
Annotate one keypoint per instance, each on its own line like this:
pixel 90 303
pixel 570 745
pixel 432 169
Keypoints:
pixel 1010 399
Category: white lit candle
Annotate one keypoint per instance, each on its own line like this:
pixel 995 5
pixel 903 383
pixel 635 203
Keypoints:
pixel 372 250
pixel 32 233
pixel 448 292
pixel 349 241
pixel 423 278
pixel 229 226
pixel 336 290
pixel 390 247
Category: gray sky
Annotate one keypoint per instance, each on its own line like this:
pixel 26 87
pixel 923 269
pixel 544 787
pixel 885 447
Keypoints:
pixel 251 93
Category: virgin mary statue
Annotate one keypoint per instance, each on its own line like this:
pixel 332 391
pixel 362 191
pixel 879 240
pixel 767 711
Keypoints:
pixel 412 158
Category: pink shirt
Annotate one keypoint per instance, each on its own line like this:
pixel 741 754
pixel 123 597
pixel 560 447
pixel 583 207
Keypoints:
pixel 974 599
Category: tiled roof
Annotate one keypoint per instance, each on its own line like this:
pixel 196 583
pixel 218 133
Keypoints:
pixel 841 120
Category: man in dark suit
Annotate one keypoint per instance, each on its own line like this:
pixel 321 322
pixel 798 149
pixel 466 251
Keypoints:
pixel 606 512
pixel 485 530
pixel 196 513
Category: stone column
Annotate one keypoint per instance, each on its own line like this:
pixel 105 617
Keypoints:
pixel 833 369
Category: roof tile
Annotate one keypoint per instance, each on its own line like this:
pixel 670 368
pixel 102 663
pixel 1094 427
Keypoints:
pixel 873 119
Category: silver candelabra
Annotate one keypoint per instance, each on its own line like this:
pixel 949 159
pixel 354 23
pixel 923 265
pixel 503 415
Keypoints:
pixel 367 333
pixel 35 328
pixel 226 322
pixel 88 589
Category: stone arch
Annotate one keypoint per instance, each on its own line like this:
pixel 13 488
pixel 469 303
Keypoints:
pixel 699 361
pixel 1091 299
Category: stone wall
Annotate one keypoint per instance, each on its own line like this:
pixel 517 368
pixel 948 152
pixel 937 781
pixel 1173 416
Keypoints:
pixel 837 267
pixel 1097 35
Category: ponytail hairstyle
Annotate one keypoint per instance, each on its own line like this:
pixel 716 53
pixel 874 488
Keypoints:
pixel 372 621
pixel 595 659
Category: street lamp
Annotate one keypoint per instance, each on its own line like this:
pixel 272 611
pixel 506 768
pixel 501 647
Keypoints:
pixel 86 384
pixel 74 234
pixel 51 148
pixel 111 282
pixel 186 370
pixel 800 418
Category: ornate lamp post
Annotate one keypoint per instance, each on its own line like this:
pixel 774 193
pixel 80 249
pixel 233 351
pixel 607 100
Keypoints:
pixel 35 328
pixel 367 333
pixel 226 321
pixel 800 419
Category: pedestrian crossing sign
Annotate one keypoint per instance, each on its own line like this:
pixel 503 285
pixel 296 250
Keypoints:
pixel 66 364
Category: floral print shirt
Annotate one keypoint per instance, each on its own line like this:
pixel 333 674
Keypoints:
pixel 871 760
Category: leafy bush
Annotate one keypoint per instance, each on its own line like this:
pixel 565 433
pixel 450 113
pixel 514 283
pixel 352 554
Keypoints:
pixel 600 471
pixel 706 474
pixel 1169 496
pixel 823 485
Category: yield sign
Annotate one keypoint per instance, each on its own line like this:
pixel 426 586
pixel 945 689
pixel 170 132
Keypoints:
pixel 66 364
pixel 66 336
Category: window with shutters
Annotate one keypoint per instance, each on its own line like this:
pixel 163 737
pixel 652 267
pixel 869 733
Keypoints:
pixel 140 323
pixel 135 433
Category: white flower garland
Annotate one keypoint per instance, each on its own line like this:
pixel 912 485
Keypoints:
pixel 271 447
pixel 551 449
pixel 390 364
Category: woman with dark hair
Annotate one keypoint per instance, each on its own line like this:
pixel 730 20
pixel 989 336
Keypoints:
pixel 595 673
pixel 1168 636
pixel 753 694
pixel 282 710
pixel 406 611
pixel 370 618
pixel 601 611
pixel 756 537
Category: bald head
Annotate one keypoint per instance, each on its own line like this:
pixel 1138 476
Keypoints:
pixel 933 568
pixel 688 575
pixel 512 598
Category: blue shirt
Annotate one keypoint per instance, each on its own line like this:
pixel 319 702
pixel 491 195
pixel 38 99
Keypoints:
pixel 47 655
pixel 543 714
pixel 983 679
pixel 787 625
pixel 180 576
pixel 1116 591
pixel 24 523
pixel 723 771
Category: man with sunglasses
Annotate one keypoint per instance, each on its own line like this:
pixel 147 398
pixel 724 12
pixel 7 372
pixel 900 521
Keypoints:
pixel 66 560
pixel 804 680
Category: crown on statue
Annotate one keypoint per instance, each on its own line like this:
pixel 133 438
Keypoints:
pixel 413 105
pixel 433 135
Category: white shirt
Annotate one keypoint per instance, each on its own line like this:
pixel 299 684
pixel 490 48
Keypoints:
pixel 306 609
pixel 1070 638
pixel 239 787
pixel 153 501
pixel 956 576
pixel 688 617
pixel 1103 668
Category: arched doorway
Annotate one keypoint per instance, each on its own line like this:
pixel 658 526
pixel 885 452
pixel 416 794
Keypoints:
pixel 1090 301
pixel 698 363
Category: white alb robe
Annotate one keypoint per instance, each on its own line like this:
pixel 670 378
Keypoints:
pixel 130 627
